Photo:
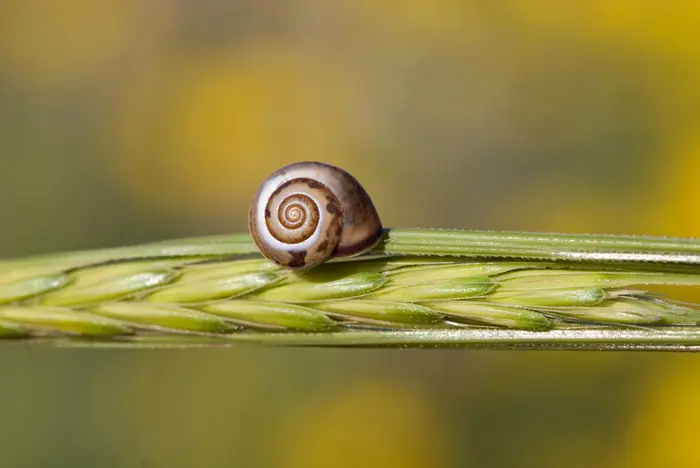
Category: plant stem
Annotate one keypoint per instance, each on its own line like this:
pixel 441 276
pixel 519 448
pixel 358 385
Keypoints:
pixel 451 242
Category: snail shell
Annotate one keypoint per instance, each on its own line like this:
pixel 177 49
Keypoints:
pixel 306 212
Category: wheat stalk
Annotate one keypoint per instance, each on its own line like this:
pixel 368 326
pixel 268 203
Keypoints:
pixel 417 288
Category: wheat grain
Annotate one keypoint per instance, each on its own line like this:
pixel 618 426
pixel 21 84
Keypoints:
pixel 206 290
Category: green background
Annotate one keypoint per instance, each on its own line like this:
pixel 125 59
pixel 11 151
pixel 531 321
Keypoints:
pixel 124 121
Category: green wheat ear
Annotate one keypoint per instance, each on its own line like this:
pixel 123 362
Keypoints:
pixel 416 288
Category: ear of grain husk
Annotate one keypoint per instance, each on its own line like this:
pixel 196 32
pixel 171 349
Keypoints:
pixel 418 288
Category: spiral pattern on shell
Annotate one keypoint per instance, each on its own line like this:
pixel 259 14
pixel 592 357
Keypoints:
pixel 307 212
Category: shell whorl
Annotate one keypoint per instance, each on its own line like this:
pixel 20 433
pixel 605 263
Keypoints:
pixel 306 212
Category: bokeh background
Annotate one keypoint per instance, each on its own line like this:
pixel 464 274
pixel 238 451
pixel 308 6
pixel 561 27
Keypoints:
pixel 124 121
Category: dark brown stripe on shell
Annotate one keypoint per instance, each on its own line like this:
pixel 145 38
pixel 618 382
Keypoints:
pixel 314 184
pixel 361 246
pixel 323 246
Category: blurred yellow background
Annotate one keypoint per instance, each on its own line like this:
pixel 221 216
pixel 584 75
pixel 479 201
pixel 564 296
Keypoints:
pixel 124 121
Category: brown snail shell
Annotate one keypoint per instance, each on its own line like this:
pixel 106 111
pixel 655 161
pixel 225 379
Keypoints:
pixel 308 212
